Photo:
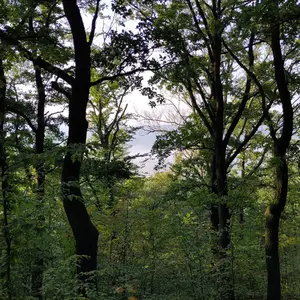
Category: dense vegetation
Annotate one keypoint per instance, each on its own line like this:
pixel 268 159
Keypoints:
pixel 78 218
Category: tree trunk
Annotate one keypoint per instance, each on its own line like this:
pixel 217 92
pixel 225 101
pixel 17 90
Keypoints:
pixel 85 233
pixel 220 151
pixel 273 214
pixel 38 268
pixel 4 182
pixel 241 217
pixel 226 290
pixel 275 209
pixel 214 211
pixel 219 215
pixel 272 256
pixel 222 191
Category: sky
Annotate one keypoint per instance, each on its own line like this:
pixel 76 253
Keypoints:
pixel 164 117
pixel 143 141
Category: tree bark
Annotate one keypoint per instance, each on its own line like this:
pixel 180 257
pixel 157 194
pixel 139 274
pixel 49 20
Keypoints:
pixel 85 233
pixel 226 291
pixel 214 211
pixel 38 268
pixel 219 145
pixel 273 214
pixel 281 144
pixel 4 182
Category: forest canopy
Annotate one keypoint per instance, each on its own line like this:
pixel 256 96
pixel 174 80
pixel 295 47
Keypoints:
pixel 79 219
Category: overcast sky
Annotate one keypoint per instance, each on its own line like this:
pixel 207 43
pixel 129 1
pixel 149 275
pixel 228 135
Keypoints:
pixel 143 141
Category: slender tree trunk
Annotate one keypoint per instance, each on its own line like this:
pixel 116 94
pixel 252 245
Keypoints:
pixel 85 233
pixel 275 209
pixel 38 268
pixel 241 217
pixel 40 135
pixel 4 182
pixel 6 231
pixel 214 211
pixel 222 191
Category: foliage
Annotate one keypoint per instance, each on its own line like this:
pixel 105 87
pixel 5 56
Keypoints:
pixel 157 239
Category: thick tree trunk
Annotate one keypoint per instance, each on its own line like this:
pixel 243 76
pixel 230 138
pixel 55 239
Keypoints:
pixel 40 134
pixel 219 214
pixel 220 218
pixel 85 233
pixel 273 214
pixel 226 280
pixel 226 288
pixel 220 151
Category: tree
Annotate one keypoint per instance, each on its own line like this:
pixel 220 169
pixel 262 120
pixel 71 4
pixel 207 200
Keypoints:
pixel 280 148
pixel 84 231
pixel 195 231
pixel 194 37
pixel 5 180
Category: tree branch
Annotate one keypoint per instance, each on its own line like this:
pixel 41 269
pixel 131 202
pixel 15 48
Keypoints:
pixel 61 90
pixel 23 115
pixel 261 90
pixel 94 21
pixel 246 95
pixel 199 29
pixel 113 77
pixel 206 104
pixel 197 108
pixel 202 14
pixel 248 137
pixel 37 60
